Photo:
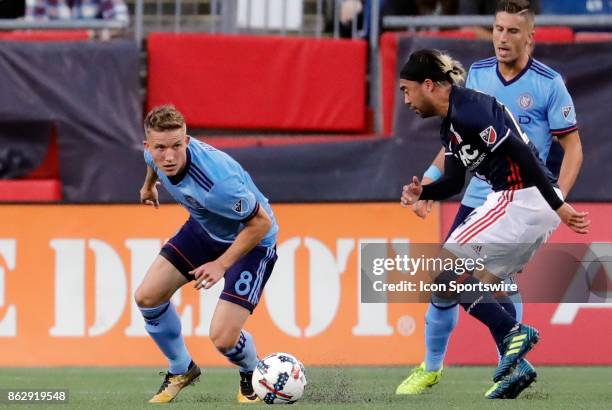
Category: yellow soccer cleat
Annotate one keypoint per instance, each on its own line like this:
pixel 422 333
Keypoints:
pixel 174 383
pixel 418 380
pixel 246 394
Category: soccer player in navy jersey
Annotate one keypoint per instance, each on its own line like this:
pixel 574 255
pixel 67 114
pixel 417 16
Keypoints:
pixel 538 98
pixel 230 234
pixel 481 135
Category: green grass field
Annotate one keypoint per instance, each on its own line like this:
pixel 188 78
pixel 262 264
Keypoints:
pixel 328 388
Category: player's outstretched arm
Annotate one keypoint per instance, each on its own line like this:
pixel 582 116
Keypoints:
pixel 522 155
pixel 254 231
pixel 422 208
pixel 572 161
pixel 148 192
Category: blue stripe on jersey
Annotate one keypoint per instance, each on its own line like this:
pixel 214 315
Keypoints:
pixel 542 73
pixel 199 179
pixel 484 64
pixel 201 174
pixel 486 61
pixel 544 68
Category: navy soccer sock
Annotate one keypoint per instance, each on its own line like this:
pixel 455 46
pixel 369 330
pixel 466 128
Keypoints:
pixel 481 305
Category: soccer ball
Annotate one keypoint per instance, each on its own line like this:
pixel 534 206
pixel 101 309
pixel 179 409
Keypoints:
pixel 279 378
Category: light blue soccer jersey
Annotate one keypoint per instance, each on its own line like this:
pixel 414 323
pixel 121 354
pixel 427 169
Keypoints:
pixel 217 192
pixel 538 99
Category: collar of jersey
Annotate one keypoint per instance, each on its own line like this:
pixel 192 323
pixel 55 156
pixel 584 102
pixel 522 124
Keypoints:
pixel 516 77
pixel 175 179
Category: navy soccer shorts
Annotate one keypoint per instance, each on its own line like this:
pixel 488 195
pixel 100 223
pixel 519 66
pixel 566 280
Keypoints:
pixel 192 246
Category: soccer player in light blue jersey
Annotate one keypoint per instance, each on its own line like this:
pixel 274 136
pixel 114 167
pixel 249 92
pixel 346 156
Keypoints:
pixel 538 98
pixel 230 234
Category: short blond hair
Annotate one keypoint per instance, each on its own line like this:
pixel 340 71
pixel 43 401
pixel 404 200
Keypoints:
pixel 163 118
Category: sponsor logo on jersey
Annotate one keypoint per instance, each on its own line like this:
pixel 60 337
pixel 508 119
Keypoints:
pixel 525 101
pixel 470 158
pixel 567 110
pixel 488 135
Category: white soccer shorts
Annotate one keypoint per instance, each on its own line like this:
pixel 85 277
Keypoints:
pixel 505 231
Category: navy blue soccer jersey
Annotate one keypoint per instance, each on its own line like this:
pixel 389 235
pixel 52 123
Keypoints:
pixel 475 127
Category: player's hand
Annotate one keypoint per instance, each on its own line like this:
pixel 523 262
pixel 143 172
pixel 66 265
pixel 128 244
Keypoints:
pixel 412 192
pixel 208 274
pixel 422 208
pixel 150 196
pixel 576 221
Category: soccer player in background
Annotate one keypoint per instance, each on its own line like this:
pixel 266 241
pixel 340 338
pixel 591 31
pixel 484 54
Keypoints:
pixel 230 233
pixel 537 96
pixel 525 207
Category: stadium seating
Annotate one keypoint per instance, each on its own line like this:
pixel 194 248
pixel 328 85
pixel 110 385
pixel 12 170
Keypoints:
pixel 40 185
pixel 588 36
pixel 560 34
pixel 42 35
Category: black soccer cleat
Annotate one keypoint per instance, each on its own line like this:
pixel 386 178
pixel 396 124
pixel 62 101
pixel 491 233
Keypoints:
pixel 246 394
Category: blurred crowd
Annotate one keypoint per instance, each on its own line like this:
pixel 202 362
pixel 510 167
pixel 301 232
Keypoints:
pixel 64 9
pixel 359 10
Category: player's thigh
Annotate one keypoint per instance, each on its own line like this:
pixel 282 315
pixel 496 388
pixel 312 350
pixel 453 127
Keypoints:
pixel 227 322
pixel 244 284
pixel 159 284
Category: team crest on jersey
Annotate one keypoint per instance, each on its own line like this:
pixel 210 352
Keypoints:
pixel 488 135
pixel 525 101
pixel 192 201
pixel 567 110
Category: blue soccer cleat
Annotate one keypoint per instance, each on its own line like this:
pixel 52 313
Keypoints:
pixel 511 386
pixel 516 344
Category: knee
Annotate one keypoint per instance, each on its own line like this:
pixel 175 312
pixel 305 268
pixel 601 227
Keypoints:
pixel 224 341
pixel 145 299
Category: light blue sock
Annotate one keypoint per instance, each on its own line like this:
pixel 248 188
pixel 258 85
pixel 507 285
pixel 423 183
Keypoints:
pixel 440 320
pixel 164 326
pixel 243 354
